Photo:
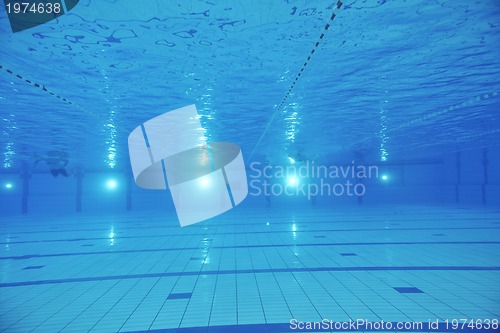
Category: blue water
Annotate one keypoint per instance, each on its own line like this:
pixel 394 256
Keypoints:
pixel 408 88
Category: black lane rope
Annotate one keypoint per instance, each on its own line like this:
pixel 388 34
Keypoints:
pixel 34 84
pixel 43 88
pixel 299 74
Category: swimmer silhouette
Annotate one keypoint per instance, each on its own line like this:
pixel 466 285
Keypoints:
pixel 56 160
pixel 299 157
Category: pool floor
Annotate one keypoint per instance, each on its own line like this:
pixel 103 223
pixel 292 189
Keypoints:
pixel 250 271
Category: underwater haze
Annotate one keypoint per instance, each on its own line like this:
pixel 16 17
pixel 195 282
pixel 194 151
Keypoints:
pixel 369 134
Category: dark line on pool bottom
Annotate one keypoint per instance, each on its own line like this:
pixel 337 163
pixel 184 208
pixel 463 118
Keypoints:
pixel 31 256
pixel 253 271
pixel 338 220
pixel 285 327
pixel 243 233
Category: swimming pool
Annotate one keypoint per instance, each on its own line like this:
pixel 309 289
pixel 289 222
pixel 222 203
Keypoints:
pixel 370 195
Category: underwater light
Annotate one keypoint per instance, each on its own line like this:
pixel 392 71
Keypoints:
pixel 8 185
pixel 111 184
pixel 291 160
pixel 204 182
pixel 292 180
pixel 384 177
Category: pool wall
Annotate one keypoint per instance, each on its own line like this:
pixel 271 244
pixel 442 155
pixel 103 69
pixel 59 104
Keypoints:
pixel 471 177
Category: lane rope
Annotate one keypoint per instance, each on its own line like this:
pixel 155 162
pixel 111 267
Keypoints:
pixel 458 106
pixel 37 85
pixel 47 91
pixel 431 115
pixel 336 8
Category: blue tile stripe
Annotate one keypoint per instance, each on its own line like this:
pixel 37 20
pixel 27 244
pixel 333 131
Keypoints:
pixel 408 290
pixel 285 327
pixel 180 296
pixel 31 256
pixel 253 271
pixel 33 267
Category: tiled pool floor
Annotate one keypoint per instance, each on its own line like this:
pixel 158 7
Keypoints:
pixel 141 271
